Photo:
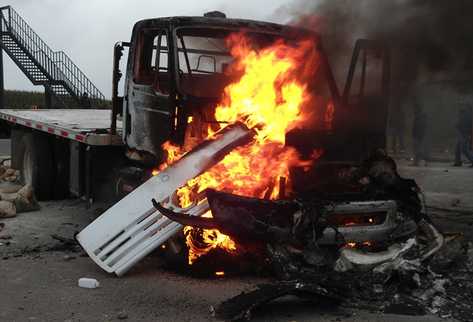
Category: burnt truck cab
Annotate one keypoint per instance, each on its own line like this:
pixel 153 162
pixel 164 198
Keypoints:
pixel 176 72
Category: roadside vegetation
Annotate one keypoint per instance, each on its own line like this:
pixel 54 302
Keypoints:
pixel 27 100
pixel 23 99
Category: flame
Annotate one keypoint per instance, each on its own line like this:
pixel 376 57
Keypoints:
pixel 209 239
pixel 329 114
pixel 366 243
pixel 267 97
pixel 173 153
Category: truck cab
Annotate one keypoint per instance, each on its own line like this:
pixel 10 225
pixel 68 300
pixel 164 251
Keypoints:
pixel 176 73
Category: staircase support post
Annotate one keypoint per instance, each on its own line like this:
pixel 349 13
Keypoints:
pixel 2 84
pixel 48 97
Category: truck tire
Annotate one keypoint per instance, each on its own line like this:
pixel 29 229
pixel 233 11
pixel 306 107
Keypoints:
pixel 37 167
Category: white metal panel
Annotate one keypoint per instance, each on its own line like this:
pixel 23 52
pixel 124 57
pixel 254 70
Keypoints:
pixel 132 228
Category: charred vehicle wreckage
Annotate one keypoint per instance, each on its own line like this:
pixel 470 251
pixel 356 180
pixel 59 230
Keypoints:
pixel 371 248
pixel 362 240
pixel 255 152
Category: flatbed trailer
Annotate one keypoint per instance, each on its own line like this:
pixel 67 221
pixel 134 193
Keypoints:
pixel 88 126
pixel 64 152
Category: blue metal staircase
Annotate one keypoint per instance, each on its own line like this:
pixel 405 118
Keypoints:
pixel 54 70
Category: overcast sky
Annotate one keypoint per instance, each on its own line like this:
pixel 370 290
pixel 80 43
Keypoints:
pixel 87 29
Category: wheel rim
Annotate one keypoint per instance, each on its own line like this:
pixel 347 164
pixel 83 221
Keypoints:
pixel 28 167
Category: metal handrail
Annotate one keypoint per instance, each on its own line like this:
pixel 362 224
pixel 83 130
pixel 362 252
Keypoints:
pixel 56 63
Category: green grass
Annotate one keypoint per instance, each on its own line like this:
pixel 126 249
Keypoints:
pixel 23 99
pixel 27 100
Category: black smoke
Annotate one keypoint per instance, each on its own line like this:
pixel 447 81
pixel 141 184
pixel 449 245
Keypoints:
pixel 432 35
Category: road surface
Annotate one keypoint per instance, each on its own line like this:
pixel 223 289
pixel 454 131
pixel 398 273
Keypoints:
pixel 39 280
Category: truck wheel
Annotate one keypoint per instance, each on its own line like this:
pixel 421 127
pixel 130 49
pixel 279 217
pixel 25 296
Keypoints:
pixel 37 168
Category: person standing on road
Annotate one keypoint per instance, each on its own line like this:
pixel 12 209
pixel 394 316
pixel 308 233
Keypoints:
pixel 464 128
pixel 396 127
pixel 419 130
pixel 396 119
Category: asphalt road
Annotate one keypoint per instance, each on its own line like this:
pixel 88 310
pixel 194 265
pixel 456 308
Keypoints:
pixel 39 283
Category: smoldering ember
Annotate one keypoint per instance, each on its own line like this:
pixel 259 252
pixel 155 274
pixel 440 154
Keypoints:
pixel 312 161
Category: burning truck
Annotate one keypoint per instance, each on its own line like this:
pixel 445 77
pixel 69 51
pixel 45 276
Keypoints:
pixel 233 138
pixel 257 114
pixel 232 135
pixel 265 157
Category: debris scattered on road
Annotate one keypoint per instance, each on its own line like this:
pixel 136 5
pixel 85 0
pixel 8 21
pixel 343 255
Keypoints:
pixel 455 202
pixel 86 282
pixel 241 306
pixel 65 240
pixel 68 257
pixel 122 316
pixel 412 273
pixel 66 244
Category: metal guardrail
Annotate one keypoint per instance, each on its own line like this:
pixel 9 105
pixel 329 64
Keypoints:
pixel 56 64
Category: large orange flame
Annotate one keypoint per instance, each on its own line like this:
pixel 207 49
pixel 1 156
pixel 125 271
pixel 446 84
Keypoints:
pixel 267 97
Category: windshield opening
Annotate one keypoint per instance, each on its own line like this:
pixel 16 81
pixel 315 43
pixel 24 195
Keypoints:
pixel 204 58
pixel 205 69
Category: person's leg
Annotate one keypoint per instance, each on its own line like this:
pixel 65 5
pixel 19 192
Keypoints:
pixel 425 153
pixel 417 151
pixel 402 146
pixel 394 143
pixel 458 153
pixel 467 149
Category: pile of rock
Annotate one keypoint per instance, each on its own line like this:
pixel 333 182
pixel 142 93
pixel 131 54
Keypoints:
pixel 9 174
pixel 14 197
pixel 14 202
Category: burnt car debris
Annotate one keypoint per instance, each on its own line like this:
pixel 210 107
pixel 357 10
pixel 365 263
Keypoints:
pixel 388 257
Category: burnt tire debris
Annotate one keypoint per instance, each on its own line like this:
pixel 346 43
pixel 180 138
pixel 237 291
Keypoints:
pixel 419 272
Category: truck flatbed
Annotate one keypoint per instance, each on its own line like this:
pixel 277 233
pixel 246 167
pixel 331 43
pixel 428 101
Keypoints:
pixel 88 126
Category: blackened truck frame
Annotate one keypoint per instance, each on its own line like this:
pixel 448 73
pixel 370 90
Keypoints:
pixel 344 110
pixel 81 155
pixel 177 97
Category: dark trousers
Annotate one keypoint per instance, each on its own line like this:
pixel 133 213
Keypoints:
pixel 397 139
pixel 421 150
pixel 463 147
